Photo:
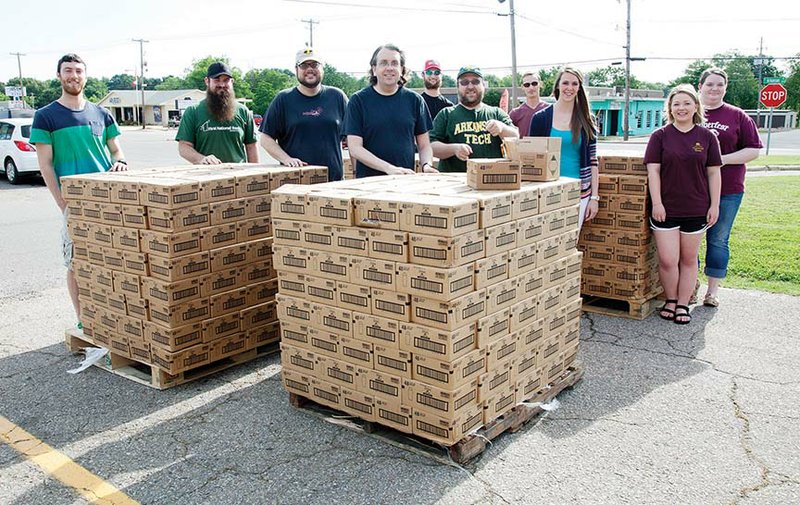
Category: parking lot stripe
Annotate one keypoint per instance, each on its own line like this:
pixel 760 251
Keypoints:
pixel 55 463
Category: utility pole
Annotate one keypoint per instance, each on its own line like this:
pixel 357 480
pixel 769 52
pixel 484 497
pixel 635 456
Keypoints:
pixel 141 76
pixel 626 119
pixel 311 22
pixel 760 79
pixel 19 67
pixel 511 15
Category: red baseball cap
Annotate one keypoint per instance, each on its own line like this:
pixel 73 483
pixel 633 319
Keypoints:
pixel 432 64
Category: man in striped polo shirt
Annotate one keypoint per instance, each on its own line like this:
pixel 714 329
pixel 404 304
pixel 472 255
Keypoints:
pixel 74 136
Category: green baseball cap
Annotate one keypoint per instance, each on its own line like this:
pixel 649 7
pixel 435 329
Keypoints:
pixel 470 69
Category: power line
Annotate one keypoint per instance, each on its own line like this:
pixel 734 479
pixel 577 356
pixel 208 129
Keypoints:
pixel 391 8
pixel 311 22
pixel 563 30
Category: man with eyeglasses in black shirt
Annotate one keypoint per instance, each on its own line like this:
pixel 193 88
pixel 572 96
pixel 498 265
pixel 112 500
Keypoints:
pixel 521 116
pixel 432 76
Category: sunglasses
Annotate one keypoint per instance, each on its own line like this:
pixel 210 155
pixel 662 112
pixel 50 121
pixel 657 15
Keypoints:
pixel 433 72
pixel 529 84
pixel 308 64
pixel 467 82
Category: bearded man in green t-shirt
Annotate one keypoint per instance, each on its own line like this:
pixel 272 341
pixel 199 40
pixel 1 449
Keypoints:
pixel 218 129
pixel 471 129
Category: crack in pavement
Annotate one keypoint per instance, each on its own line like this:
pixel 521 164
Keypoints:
pixel 744 440
pixel 593 419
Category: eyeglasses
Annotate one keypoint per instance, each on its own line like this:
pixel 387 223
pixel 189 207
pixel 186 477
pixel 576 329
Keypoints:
pixel 529 84
pixel 433 72
pixel 467 82
pixel 308 64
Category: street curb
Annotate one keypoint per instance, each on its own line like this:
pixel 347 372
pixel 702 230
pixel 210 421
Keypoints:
pixel 773 168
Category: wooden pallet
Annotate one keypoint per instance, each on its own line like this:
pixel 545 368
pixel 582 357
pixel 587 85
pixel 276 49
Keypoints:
pixel 464 450
pixel 633 309
pixel 154 377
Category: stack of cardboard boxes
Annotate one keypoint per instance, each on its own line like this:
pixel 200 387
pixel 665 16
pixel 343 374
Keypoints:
pixel 422 304
pixel 619 254
pixel 174 265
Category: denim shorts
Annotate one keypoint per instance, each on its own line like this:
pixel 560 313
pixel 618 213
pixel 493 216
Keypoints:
pixel 66 242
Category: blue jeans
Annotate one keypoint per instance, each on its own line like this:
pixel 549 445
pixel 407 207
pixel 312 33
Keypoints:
pixel 717 250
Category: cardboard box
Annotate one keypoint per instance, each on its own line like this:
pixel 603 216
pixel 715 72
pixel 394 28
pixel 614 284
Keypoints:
pixel 97 190
pixel 73 188
pixel 391 304
pixel 493 327
pixel 525 201
pixel 174 362
pixel 332 319
pixel 502 295
pixel 608 184
pixel 182 267
pixel 228 211
pixel 634 223
pixel 281 176
pixel 435 283
pixel 292 309
pixel 253 229
pixel 388 245
pixel 229 346
pixel 80 250
pixel 324 343
pixel 329 265
pixel 596 237
pixel 169 193
pixel 264 335
pixel 120 346
pixel 635 255
pixel 215 186
pixel 445 345
pixel 351 240
pixel 495 380
pixel 358 403
pixel 115 302
pixel 298 335
pixel 554 322
pixel 314 174
pixel 170 244
pixel 125 239
pixel 99 234
pixel 253 181
pixel 614 164
pixel 228 257
pixel 102 277
pixel 134 216
pixel 501 238
pixel 326 393
pixel 491 270
pixel 597 288
pixel 530 385
pixel 262 292
pixel 218 282
pixel 300 360
pixel 392 360
pixel 288 232
pixel 87 211
pixel 379 274
pixel 522 260
pixel 550 349
pixel 399 417
pixel 633 185
pixel 446 252
pixel 335 371
pixel 531 337
pixel 124 192
pixel 222 326
pixel 140 350
pixel 496 207
pixel 621 238
pixel 178 315
pixel 290 259
pixel 177 220
pixel 451 314
pixel 311 288
pixel 296 382
pixel 629 204
pixel 525 313
pixel 289 202
pixel 570 337
pixel 228 302
pixel 441 216
pixel 214 237
pixel 540 157
pixel 380 385
pixel 112 259
pixel 502 351
pixel 256 272
pixel 258 206
pixel 111 214
pixel 598 254
pixel 553 195
pixel 530 230
pixel 501 403
pixel 493 174
pixel 346 295
pixel 446 403
pixel 449 375
pixel 356 351
pixel 78 230
pixel 260 250
pixel 377 330
pixel 331 206
pixel 127 284
pixel 446 431
pixel 173 339
pixel 603 220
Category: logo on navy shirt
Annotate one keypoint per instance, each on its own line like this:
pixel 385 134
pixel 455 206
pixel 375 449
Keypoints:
pixel 314 112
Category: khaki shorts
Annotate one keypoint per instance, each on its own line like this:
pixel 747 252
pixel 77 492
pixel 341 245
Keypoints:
pixel 66 242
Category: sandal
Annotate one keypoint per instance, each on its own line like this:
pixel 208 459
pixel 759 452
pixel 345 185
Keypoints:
pixel 693 298
pixel 711 300
pixel 670 312
pixel 687 318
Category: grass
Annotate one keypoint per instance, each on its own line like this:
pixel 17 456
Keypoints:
pixel 765 242
pixel 775 160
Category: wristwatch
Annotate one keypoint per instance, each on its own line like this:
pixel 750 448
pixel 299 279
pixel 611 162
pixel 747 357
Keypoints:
pixel 595 198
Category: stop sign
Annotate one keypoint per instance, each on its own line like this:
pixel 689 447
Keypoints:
pixel 772 95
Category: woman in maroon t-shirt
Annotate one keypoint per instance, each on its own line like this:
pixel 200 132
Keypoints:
pixel 683 161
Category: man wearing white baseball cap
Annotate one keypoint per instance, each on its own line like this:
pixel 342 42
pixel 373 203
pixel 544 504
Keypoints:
pixel 304 124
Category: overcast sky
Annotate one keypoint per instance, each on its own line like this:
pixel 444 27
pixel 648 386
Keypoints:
pixel 267 33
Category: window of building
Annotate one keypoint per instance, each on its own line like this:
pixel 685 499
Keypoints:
pixel 639 119
pixel 649 119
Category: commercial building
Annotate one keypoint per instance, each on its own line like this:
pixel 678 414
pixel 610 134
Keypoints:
pixel 160 107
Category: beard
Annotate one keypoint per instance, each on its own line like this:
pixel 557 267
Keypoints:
pixel 310 85
pixel 433 85
pixel 462 97
pixel 221 105
pixel 74 89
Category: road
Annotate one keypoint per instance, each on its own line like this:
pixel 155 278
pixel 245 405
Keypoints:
pixel 781 143
pixel 704 414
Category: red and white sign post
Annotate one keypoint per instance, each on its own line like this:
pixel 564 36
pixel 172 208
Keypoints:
pixel 772 95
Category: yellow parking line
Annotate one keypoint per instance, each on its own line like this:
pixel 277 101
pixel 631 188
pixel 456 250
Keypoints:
pixel 88 485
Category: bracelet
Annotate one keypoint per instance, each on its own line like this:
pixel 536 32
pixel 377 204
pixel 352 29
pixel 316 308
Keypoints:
pixel 595 198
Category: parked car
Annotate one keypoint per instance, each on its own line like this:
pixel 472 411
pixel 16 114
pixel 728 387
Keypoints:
pixel 257 118
pixel 16 152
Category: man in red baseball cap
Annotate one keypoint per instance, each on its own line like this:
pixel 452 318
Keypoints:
pixel 432 75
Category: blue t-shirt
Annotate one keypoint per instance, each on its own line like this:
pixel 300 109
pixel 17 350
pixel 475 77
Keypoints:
pixel 388 125
pixel 570 153
pixel 309 128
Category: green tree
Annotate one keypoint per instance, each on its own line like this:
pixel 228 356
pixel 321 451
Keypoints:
pixel 448 82
pixel 743 85
pixel 121 82
pixel 492 96
pixel 792 85
pixel 95 89
pixel 169 83
pixel 266 83
pixel 415 81
pixel 345 82
pixel 692 73
pixel 547 78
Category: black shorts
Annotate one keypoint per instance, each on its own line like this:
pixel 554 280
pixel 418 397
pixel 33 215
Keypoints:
pixel 688 225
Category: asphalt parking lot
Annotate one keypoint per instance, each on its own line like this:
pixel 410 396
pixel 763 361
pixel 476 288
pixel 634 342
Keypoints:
pixel 702 414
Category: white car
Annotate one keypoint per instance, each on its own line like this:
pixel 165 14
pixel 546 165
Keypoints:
pixel 18 155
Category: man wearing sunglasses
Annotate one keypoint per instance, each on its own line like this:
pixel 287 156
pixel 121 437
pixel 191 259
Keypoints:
pixel 521 116
pixel 432 76
pixel 304 124
pixel 471 129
